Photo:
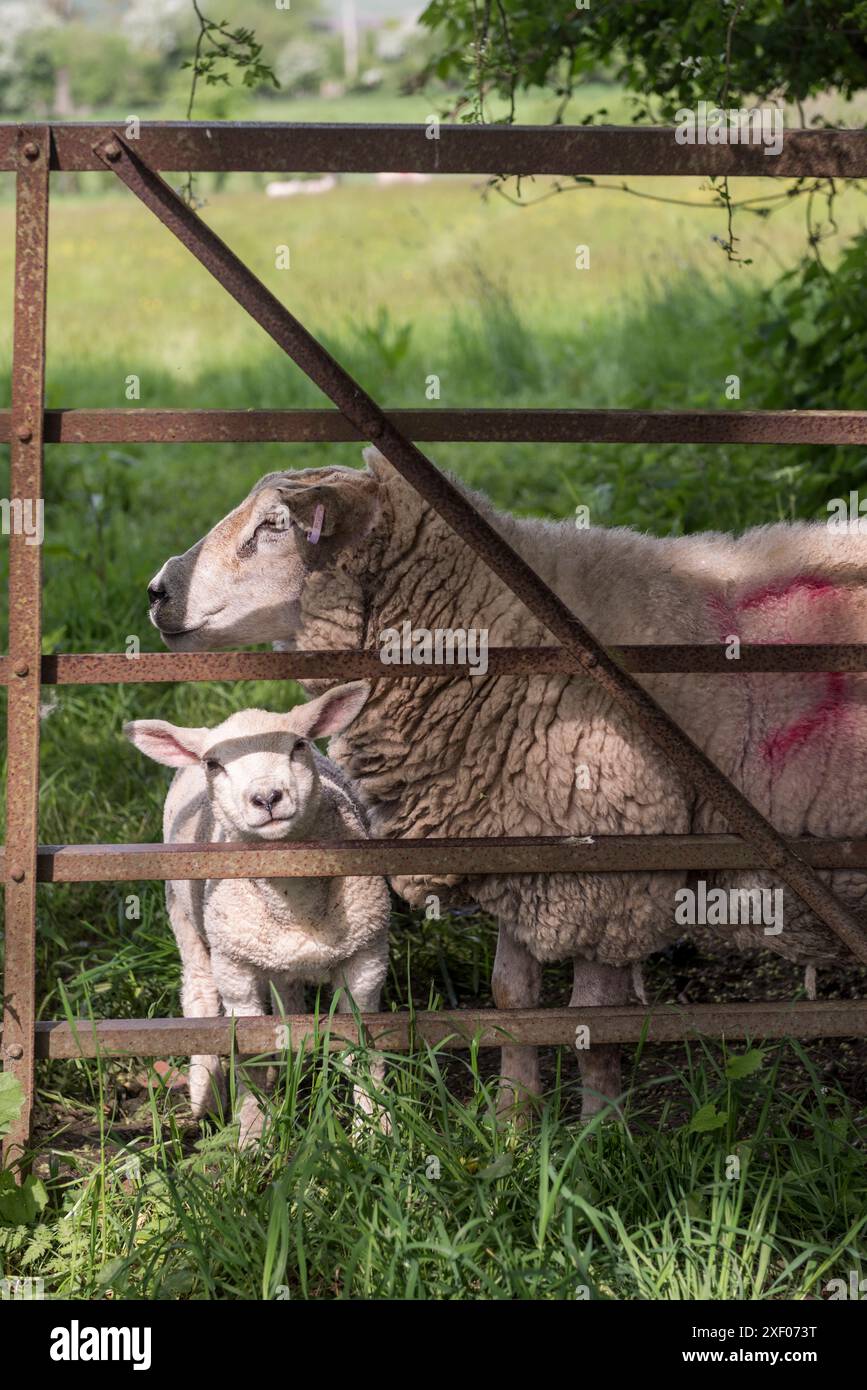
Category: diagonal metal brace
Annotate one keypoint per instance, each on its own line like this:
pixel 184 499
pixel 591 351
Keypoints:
pixel 372 423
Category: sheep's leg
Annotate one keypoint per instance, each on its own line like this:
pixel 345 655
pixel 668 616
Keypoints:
pixel 360 980
pixel 595 984
pixel 200 998
pixel 244 995
pixel 516 984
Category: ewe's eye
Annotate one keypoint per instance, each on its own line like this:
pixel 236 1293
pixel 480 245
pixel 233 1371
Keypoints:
pixel 300 745
pixel 213 765
pixel 273 524
pixel 269 529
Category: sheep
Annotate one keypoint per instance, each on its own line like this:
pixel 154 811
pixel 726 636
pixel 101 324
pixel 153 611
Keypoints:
pixel 337 557
pixel 247 942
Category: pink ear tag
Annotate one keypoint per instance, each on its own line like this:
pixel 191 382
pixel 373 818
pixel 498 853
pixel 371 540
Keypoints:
pixel 316 529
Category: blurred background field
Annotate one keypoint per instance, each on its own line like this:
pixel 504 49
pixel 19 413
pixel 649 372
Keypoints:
pixel 403 281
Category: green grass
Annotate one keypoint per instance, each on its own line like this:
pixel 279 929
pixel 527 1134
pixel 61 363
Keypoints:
pixel 452 1205
pixel 401 283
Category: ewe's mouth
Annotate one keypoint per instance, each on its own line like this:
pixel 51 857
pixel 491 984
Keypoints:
pixel 181 636
pixel 179 631
pixel 181 639
pixel 274 829
pixel 177 634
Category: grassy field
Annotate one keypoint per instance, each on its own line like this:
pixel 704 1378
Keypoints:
pixel 403 282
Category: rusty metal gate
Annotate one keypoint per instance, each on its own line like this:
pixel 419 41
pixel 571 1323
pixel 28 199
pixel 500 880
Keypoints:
pixel 33 152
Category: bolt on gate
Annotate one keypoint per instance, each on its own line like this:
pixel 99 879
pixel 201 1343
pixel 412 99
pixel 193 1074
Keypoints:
pixel 33 152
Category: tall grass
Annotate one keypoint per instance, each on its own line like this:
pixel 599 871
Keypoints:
pixel 452 1205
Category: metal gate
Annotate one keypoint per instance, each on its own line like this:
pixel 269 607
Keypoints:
pixel 36 150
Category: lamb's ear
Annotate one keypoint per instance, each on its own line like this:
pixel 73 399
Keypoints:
pixel 330 713
pixel 343 509
pixel 166 743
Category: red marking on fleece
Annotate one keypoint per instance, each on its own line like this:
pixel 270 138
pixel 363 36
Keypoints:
pixel 778 745
pixel 772 593
pixel 726 613
pixel 789 738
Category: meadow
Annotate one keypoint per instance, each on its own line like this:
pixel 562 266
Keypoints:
pixel 402 282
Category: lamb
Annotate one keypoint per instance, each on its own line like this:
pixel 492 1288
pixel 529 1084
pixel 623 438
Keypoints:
pixel 335 557
pixel 246 943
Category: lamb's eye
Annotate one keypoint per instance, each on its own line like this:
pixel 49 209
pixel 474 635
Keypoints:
pixel 300 745
pixel 213 765
pixel 272 524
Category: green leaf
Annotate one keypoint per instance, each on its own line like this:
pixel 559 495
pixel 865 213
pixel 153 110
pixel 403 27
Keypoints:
pixel 694 1206
pixel 739 1067
pixel 498 1169
pixel 11 1100
pixel 707 1119
pixel 20 1206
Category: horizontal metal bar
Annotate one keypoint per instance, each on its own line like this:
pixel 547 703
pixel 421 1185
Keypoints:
pixel 284 147
pixel 134 426
pixel 106 863
pixel 151 1037
pixel 708 658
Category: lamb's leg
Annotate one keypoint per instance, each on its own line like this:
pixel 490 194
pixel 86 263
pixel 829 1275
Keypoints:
pixel 244 995
pixel 600 1066
pixel 200 998
pixel 360 980
pixel 516 984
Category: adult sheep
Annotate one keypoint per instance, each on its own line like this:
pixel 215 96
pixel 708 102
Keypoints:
pixel 335 557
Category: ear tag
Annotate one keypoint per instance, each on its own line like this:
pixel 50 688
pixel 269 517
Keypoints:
pixel 316 529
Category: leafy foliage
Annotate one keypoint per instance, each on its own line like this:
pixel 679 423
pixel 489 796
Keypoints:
pixel 810 335
pixel 669 53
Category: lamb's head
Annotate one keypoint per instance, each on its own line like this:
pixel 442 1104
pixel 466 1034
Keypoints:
pixel 261 775
pixel 294 544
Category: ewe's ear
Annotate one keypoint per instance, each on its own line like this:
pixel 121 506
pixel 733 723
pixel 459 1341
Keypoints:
pixel 330 713
pixel 166 743
pixel 343 509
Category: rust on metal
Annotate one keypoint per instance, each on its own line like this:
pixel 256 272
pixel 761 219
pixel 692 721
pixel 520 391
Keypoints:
pixel 707 658
pixel 141 426
pixel 281 147
pixel 33 149
pixel 691 761
pixel 535 854
pixel 462 1028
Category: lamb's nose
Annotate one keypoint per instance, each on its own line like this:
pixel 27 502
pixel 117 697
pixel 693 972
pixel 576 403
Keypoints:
pixel 156 593
pixel 266 803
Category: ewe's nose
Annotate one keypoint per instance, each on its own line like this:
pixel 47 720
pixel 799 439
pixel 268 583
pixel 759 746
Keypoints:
pixel 266 801
pixel 157 588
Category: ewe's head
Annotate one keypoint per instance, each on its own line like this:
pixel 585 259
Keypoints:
pixel 261 775
pixel 243 582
